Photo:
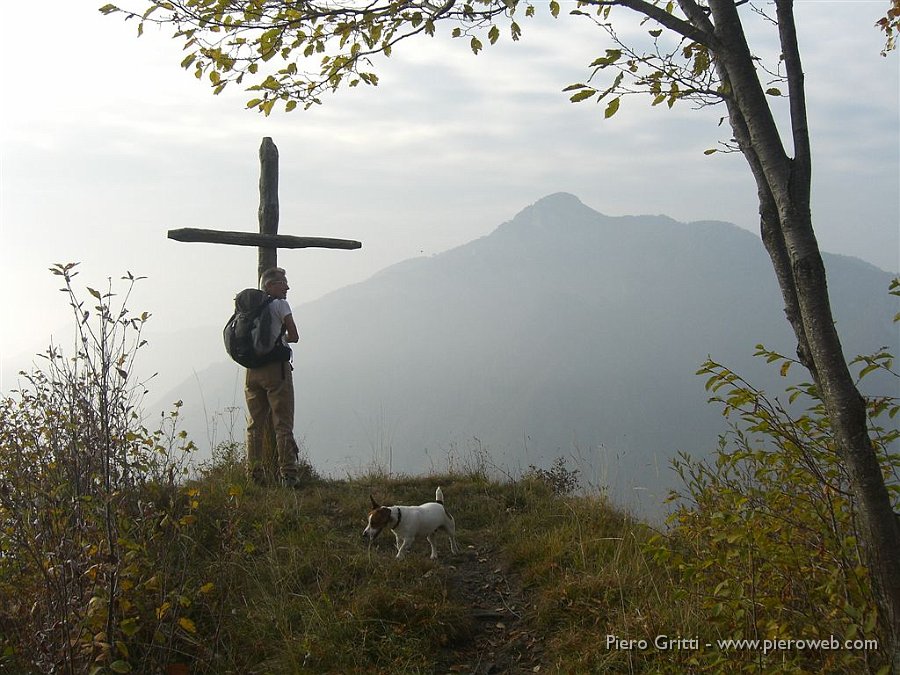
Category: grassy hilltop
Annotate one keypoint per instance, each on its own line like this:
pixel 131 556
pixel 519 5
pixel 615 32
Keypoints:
pixel 225 577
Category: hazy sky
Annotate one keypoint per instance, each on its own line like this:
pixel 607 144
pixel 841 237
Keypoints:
pixel 107 144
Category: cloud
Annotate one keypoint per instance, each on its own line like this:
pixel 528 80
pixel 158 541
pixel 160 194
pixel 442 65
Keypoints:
pixel 107 143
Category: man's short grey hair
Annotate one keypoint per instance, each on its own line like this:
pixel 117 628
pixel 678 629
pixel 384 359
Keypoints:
pixel 271 275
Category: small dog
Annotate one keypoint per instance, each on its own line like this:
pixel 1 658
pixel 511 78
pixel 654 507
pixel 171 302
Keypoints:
pixel 408 522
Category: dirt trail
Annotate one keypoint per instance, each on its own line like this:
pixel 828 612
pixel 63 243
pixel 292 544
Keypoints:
pixel 503 641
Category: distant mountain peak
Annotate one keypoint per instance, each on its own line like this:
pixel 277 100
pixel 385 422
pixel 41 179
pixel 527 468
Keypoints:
pixel 558 199
pixel 560 206
pixel 556 212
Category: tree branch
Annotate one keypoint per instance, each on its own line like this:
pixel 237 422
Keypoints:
pixel 662 17
pixel 787 31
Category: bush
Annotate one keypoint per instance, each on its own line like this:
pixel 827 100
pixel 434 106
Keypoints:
pixel 90 504
pixel 559 478
pixel 765 536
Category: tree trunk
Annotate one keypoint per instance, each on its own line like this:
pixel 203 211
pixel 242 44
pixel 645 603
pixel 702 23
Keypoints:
pixel 784 188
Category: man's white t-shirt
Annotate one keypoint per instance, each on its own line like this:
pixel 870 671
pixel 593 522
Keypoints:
pixel 278 309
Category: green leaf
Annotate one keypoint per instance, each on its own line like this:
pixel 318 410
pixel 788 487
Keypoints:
pixel 582 95
pixel 707 152
pixel 109 9
pixel 129 626
pixel 120 667
pixel 612 55
pixel 868 369
pixel 493 34
pixel 476 45
pixel 612 107
pixel 554 8
pixel 773 91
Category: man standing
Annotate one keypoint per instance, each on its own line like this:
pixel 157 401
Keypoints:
pixel 270 388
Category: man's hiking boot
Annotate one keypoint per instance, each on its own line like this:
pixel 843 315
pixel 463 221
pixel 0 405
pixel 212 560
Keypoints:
pixel 292 482
pixel 259 478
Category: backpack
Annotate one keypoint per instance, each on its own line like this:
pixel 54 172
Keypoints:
pixel 248 335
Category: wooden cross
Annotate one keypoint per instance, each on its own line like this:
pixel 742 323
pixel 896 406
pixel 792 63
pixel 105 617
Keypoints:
pixel 267 240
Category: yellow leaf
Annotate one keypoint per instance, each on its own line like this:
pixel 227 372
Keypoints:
pixel 207 588
pixel 187 624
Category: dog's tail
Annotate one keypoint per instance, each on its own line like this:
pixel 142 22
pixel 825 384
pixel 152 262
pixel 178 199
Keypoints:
pixel 439 498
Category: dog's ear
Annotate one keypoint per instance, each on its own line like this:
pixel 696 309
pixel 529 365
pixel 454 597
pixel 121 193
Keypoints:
pixel 375 504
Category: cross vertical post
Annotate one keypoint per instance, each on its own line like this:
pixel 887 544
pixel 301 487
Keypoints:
pixel 268 203
pixel 268 257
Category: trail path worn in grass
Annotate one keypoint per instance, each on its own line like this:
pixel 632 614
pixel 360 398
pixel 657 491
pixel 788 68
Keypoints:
pixel 503 641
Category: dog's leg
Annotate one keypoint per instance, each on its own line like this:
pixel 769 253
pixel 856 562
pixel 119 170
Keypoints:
pixel 450 527
pixel 404 546
pixel 430 539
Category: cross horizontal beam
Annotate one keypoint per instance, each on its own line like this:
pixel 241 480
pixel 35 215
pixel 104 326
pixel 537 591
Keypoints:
pixel 193 234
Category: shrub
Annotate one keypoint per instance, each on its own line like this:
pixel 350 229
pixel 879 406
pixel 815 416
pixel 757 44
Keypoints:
pixel 765 535
pixel 559 478
pixel 86 494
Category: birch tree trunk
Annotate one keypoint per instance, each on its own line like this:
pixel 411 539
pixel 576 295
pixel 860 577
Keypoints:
pixel 783 185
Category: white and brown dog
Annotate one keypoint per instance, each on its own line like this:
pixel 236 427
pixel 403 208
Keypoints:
pixel 409 522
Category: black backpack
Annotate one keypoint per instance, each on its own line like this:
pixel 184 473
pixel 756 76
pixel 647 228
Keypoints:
pixel 248 334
